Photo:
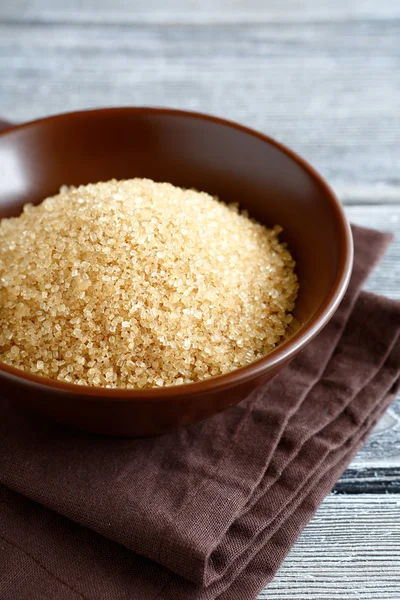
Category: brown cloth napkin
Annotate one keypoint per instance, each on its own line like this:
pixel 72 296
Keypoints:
pixel 209 511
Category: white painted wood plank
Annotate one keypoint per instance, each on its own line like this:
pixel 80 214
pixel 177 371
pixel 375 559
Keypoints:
pixel 330 91
pixel 350 549
pixel 386 277
pixel 192 11
pixel 374 193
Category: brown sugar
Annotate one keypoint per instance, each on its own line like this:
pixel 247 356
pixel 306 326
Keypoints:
pixel 137 284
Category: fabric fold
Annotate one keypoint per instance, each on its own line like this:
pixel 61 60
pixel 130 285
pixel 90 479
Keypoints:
pixel 263 566
pixel 298 458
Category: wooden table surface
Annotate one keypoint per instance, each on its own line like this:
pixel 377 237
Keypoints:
pixel 320 76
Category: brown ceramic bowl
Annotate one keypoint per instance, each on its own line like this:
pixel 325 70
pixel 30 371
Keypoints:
pixel 188 150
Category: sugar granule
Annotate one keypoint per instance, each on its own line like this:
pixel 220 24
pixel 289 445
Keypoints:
pixel 137 284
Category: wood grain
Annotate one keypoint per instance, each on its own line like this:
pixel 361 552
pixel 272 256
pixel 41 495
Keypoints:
pixel 385 279
pixel 330 91
pixel 351 549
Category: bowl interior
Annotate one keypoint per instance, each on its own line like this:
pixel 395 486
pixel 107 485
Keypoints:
pixel 189 151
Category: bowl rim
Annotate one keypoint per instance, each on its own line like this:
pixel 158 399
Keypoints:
pixel 282 354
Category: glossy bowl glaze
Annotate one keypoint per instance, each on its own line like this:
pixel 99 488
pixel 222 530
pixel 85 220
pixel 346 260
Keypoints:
pixel 188 150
